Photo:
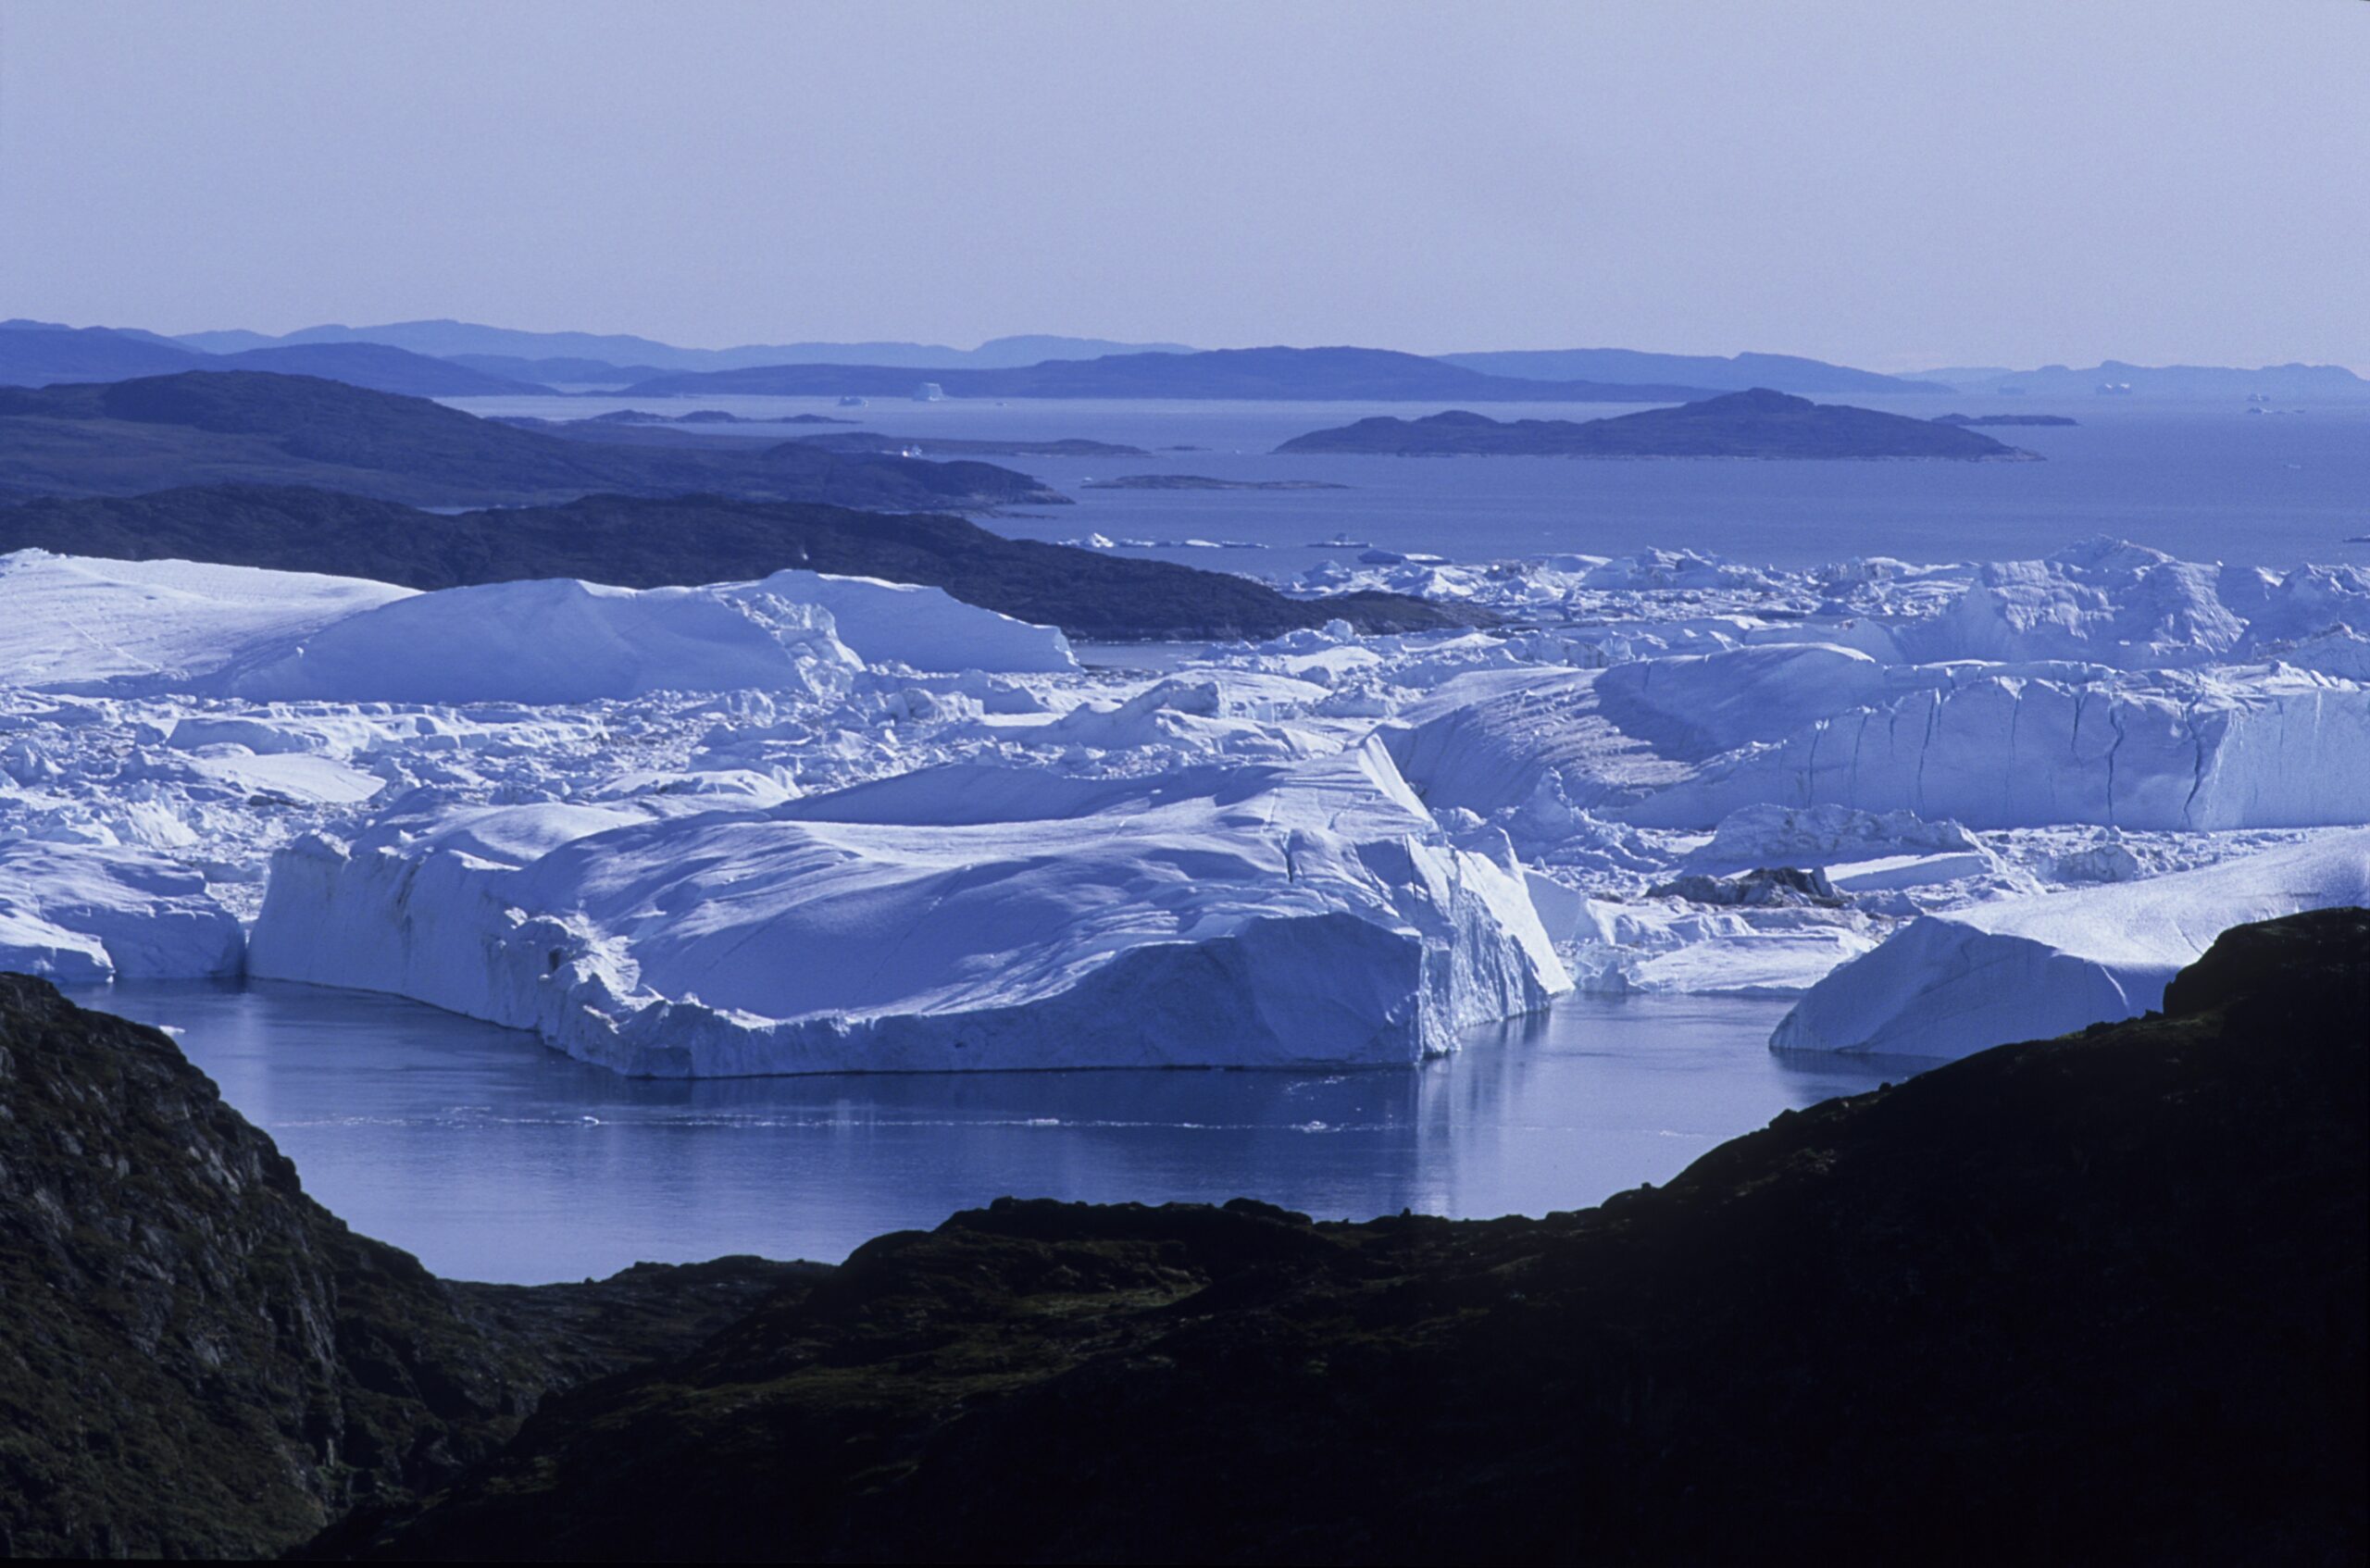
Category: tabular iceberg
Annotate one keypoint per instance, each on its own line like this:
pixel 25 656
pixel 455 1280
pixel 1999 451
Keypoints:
pixel 561 641
pixel 960 917
pixel 1950 985
pixel 71 622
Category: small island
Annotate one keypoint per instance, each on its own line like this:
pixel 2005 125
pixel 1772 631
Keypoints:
pixel 703 417
pixel 943 447
pixel 1746 424
pixel 2004 419
pixel 1201 482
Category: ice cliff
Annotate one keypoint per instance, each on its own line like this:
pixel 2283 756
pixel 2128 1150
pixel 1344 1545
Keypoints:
pixel 961 918
pixel 1950 985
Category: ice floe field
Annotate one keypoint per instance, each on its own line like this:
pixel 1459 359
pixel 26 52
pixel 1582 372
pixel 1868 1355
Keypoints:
pixel 1881 812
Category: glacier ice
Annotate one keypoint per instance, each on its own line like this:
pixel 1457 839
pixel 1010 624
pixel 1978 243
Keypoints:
pixel 560 640
pixel 71 622
pixel 1952 984
pixel 85 912
pixel 965 916
pixel 1936 740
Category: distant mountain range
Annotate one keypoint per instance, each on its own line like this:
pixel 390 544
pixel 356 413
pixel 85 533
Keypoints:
pixel 2112 377
pixel 1739 372
pixel 453 340
pixel 1281 374
pixel 464 359
pixel 38 354
pixel 247 427
pixel 1746 424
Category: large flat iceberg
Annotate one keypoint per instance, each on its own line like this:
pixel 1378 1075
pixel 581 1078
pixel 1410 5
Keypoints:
pixel 966 916
pixel 71 622
pixel 1948 985
pixel 560 640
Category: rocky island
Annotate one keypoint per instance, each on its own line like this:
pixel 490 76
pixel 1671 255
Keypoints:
pixel 1746 424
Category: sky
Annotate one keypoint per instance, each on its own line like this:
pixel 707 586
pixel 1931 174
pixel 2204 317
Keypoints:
pixel 1897 186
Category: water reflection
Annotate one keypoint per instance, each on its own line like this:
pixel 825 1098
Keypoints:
pixel 494 1157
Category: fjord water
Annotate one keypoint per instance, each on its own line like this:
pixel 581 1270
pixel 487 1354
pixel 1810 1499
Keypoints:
pixel 493 1157
pixel 2203 480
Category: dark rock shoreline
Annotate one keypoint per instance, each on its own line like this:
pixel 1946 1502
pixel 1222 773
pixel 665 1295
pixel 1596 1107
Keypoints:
pixel 2094 1298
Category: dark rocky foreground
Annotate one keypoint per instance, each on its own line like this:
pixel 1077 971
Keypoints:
pixel 197 1360
pixel 2098 1298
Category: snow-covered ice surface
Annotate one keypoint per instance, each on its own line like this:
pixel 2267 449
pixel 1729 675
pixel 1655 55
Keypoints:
pixel 2029 968
pixel 967 915
pixel 78 912
pixel 73 621
pixel 817 822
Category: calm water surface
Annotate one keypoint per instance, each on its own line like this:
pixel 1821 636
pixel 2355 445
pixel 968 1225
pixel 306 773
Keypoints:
pixel 2205 480
pixel 493 1157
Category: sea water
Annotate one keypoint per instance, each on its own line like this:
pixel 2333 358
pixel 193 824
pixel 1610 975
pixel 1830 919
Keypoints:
pixel 493 1157
pixel 2203 480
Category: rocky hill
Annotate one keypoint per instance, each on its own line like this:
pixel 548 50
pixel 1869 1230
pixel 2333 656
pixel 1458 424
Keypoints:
pixel 1746 424
pixel 249 427
pixel 650 542
pixel 199 1360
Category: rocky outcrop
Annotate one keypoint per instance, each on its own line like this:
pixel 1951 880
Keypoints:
pixel 197 1360
pixel 2098 1298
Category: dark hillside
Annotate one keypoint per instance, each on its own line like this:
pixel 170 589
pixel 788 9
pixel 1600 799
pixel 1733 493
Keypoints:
pixel 2093 1299
pixel 637 543
pixel 1746 424
pixel 249 427
pixel 198 1360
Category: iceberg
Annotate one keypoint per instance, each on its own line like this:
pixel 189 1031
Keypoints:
pixel 85 912
pixel 964 917
pixel 76 623
pixel 2279 749
pixel 1950 985
pixel 561 641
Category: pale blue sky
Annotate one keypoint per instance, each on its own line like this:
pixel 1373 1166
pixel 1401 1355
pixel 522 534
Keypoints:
pixel 1891 184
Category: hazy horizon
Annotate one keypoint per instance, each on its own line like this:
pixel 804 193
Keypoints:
pixel 1900 190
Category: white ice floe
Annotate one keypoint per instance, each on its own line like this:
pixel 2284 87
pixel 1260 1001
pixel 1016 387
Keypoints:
pixel 1948 985
pixel 966 917
pixel 81 913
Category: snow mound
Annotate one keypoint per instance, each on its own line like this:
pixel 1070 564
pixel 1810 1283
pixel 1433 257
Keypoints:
pixel 558 641
pixel 78 623
pixel 1950 985
pixel 924 628
pixel 80 912
pixel 966 916
pixel 561 641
